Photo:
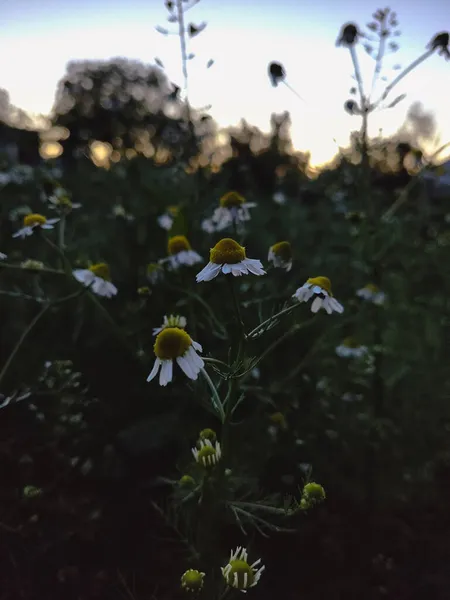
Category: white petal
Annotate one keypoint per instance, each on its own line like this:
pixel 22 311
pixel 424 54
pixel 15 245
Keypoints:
pixel 155 369
pixel 84 276
pixel 186 367
pixel 317 304
pixel 254 266
pixel 209 272
pixel 197 346
pixel 166 373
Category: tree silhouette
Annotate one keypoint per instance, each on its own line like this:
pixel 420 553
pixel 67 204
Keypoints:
pixel 122 102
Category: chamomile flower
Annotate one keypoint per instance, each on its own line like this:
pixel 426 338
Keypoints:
pixel 166 220
pixel 207 453
pixel 233 209
pixel 180 253
pixel 351 349
pixel 238 573
pixel 98 278
pixel 60 201
pixel 279 198
pixel 34 221
pixel 229 257
pixel 171 321
pixel 280 255
pixel 321 288
pixel 372 293
pixel 192 580
pixel 174 344
pixel 3 256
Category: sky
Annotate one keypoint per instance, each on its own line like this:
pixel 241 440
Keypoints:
pixel 39 37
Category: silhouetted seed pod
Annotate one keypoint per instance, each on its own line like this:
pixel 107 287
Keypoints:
pixel 348 36
pixel 441 40
pixel 352 107
pixel 276 73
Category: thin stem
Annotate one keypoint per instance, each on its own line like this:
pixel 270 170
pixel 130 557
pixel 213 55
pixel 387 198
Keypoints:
pixel 237 308
pixel 215 396
pixel 380 54
pixel 66 264
pixel 61 232
pixel 253 333
pixel 31 269
pixel 182 36
pixel 358 77
pixel 30 327
pixel 403 74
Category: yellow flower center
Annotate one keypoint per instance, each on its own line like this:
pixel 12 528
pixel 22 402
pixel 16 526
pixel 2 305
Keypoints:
pixel 171 343
pixel 279 419
pixel 322 282
pixel 192 580
pixel 177 244
pixel 101 270
pixel 34 219
pixel 208 434
pixel 186 480
pixel 204 453
pixel 241 567
pixel 232 200
pixel 371 287
pixel 64 202
pixel 282 250
pixel 227 251
pixel 350 342
pixel 173 210
pixel 144 291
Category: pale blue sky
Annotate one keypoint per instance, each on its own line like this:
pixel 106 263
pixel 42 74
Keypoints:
pixel 38 37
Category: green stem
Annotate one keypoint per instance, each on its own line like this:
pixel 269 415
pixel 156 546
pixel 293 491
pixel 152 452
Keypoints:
pixel 30 269
pixel 30 327
pixel 217 404
pixel 253 333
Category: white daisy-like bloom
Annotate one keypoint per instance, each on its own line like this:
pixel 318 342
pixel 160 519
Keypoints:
pixel 180 253
pixel 33 221
pixel 279 198
pixel 98 278
pixel 171 321
pixel 238 573
pixel 60 201
pixel 372 293
pixel 227 257
pixel 351 349
pixel 208 454
pixel 280 255
pixel 165 221
pixel 3 256
pixel 174 344
pixel 321 288
pixel 208 226
pixel 233 209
